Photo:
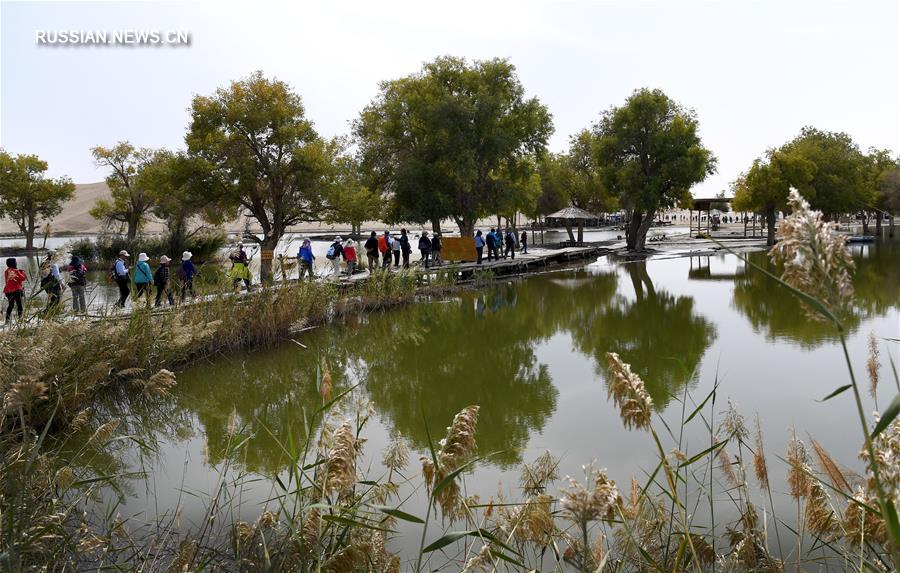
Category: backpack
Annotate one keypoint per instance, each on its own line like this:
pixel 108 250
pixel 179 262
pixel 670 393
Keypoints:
pixel 330 254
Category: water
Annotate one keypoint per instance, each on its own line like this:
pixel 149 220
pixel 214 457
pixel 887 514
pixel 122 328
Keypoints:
pixel 531 354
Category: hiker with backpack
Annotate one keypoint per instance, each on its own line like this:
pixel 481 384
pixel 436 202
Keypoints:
pixel 143 277
pixel 436 249
pixel 78 283
pixel 425 248
pixel 240 267
pixel 305 258
pixel 510 245
pixel 161 281
pixel 51 283
pixel 119 274
pixel 334 254
pixel 490 239
pixel 372 249
pixel 13 288
pixel 350 256
pixel 186 274
pixel 405 248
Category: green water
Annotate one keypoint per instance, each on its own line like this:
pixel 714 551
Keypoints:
pixel 530 353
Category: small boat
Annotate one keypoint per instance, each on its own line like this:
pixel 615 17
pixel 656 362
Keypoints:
pixel 860 239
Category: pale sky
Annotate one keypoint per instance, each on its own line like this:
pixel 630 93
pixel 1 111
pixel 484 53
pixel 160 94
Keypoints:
pixel 755 72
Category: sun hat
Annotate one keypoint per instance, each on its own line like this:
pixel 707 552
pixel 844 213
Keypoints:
pixel 186 256
pixel 124 253
pixel 240 243
pixel 338 238
pixel 164 259
pixel 143 257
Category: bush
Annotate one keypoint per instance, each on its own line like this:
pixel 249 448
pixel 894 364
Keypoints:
pixel 103 250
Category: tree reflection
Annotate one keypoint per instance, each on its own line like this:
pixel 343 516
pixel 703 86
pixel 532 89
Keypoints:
pixel 658 333
pixel 773 311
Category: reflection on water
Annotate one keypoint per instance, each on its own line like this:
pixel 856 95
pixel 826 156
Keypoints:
pixel 531 354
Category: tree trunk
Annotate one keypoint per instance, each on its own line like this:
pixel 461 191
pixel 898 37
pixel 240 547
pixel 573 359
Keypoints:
pixel 580 230
pixel 466 227
pixel 631 230
pixel 132 228
pixel 865 222
pixel 436 225
pixel 878 217
pixel 265 266
pixel 641 238
pixel 770 227
pixel 28 231
pixel 891 226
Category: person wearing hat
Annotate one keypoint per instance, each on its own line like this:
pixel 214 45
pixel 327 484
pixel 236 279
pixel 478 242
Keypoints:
pixel 52 282
pixel 436 249
pixel 240 267
pixel 350 255
pixel 13 287
pixel 161 281
pixel 78 282
pixel 187 273
pixel 305 258
pixel 120 275
pixel 334 254
pixel 425 248
pixel 143 277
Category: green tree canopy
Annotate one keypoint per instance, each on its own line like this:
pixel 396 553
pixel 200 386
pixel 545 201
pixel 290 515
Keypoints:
pixel 651 155
pixel 27 197
pixel 349 200
pixel 131 199
pixel 264 157
pixel 764 188
pixel 445 141
pixel 837 184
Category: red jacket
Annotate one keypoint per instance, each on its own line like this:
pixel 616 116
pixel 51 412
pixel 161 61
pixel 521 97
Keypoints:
pixel 15 280
pixel 350 254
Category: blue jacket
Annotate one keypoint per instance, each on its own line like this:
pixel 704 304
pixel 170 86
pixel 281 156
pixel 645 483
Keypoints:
pixel 479 241
pixel 306 254
pixel 142 273
pixel 188 270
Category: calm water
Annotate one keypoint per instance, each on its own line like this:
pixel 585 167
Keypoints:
pixel 530 353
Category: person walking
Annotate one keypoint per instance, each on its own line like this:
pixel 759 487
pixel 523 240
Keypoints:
pixel 334 254
pixel 491 244
pixel 240 267
pixel 350 256
pixel 120 276
pixel 396 247
pixel 186 273
pixel 498 244
pixel 371 247
pixel 425 248
pixel 384 247
pixel 143 277
pixel 305 258
pixel 510 245
pixel 78 283
pixel 479 245
pixel 436 249
pixel 405 248
pixel 161 281
pixel 52 282
pixel 13 288
pixel 524 241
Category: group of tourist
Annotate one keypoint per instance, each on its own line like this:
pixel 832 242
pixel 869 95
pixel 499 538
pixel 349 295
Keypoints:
pixel 142 276
pixel 499 245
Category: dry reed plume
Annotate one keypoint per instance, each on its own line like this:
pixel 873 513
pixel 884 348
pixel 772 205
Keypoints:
pixel 628 392
pixel 815 258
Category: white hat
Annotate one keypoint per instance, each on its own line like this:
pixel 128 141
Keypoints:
pixel 338 238
pixel 164 259
pixel 124 253
pixel 349 241
pixel 186 256
pixel 142 257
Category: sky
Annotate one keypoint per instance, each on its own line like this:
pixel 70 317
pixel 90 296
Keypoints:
pixel 754 72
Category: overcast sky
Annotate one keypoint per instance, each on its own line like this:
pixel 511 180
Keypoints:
pixel 754 72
